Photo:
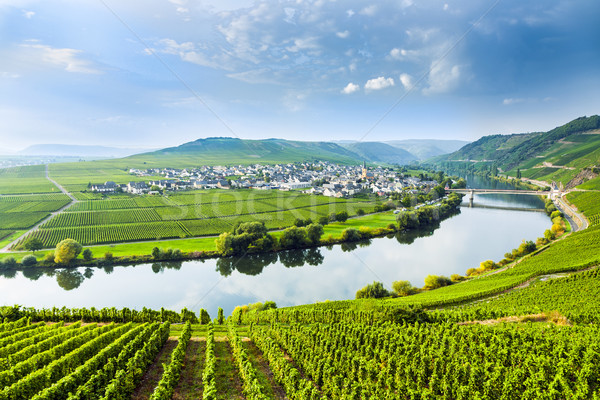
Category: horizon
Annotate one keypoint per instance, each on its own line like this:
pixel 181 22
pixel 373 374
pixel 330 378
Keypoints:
pixel 168 73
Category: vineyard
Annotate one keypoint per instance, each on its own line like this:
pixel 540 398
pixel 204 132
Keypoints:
pixel 588 203
pixel 24 211
pixel 336 360
pixel 202 213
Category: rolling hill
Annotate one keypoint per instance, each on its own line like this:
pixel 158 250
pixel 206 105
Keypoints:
pixel 569 154
pixel 381 152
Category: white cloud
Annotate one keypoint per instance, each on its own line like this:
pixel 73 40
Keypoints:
pixel 9 75
pixel 407 81
pixel 398 53
pixel 379 83
pixel 350 13
pixel 442 78
pixel 446 6
pixel 351 88
pixel 28 14
pixel 510 101
pixel 343 35
pixel 189 52
pixel 369 10
pixel 64 58
pixel 289 15
pixel 300 44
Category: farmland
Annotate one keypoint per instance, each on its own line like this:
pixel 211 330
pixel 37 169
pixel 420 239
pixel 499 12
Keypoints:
pixel 19 212
pixel 25 180
pixel 286 358
pixel 122 218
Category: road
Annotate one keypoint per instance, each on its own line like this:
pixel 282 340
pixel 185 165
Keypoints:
pixel 577 220
pixel 48 218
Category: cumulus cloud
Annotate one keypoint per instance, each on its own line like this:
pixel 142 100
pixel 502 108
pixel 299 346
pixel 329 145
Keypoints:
pixel 407 81
pixel 443 78
pixel 64 58
pixel 351 88
pixel 379 83
pixel 343 35
pixel 28 14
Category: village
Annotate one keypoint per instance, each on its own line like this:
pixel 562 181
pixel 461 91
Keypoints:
pixel 327 179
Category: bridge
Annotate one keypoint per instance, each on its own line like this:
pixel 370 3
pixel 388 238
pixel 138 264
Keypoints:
pixel 471 192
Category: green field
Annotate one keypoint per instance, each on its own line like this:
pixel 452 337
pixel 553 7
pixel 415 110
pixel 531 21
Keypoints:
pixel 125 218
pixel 24 211
pixel 25 180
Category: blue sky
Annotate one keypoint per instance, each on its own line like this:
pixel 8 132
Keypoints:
pixel 148 73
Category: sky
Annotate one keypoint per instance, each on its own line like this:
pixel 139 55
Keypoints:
pixel 149 73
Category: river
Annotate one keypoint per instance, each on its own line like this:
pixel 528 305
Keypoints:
pixel 295 277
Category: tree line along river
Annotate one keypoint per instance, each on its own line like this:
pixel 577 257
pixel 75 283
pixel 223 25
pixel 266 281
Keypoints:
pixel 298 276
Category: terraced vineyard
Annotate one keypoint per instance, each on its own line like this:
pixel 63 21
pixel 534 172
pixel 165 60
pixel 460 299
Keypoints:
pixel 588 203
pixel 201 213
pixel 338 360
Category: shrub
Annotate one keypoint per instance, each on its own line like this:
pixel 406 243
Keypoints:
pixel 471 271
pixel 49 258
pixel 29 260
pixel 372 291
pixel 108 256
pixel 457 278
pixel 435 281
pixel 87 254
pixel 9 262
pixel 66 251
pixel 360 212
pixel 403 288
pixel 556 214
pixel 351 235
pixel 323 220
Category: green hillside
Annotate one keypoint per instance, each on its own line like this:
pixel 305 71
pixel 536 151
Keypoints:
pixel 213 151
pixel 567 154
pixel 381 152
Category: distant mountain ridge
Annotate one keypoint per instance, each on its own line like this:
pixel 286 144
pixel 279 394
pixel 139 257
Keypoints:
pixel 226 150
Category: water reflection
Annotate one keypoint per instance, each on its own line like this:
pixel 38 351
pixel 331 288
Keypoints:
pixel 250 264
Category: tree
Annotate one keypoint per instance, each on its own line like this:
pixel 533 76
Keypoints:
pixel 87 254
pixel 314 233
pixel 66 251
pixel 29 260
pixel 372 291
pixel 341 216
pixel 434 281
pixel 351 235
pixel 33 244
pixel 323 220
pixel 403 288
pixel 156 253
pixel 220 317
pixel 360 212
pixel 204 317
pixel 293 238
pixel 518 173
